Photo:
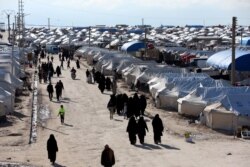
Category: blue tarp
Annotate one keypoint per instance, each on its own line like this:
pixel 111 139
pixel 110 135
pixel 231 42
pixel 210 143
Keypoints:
pixel 132 46
pixel 113 30
pixel 137 31
pixel 223 60
pixel 245 41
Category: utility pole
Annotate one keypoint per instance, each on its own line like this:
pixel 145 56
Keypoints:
pixel 8 16
pixel 20 22
pixel 49 23
pixel 145 38
pixel 110 37
pixel 233 51
pixel 89 35
pixel 8 13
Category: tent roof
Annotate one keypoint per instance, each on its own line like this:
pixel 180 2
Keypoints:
pixel 132 46
pixel 222 60
pixel 245 41
pixel 237 103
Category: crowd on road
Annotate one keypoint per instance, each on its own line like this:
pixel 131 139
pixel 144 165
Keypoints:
pixel 131 108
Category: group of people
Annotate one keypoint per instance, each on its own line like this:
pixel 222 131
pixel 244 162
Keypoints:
pixel 102 81
pixel 127 106
pixel 45 71
pixel 107 155
pixel 139 127
pixel 132 108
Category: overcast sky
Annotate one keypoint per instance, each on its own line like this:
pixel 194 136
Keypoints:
pixel 131 12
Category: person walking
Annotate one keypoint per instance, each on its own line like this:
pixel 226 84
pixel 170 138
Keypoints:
pixel 142 127
pixel 50 90
pixel 61 66
pixel 61 87
pixel 112 105
pixel 87 73
pixel 143 104
pixel 68 63
pixel 77 64
pixel 114 86
pixel 132 130
pixel 52 58
pixel 108 84
pixel 52 148
pixel 61 113
pixel 58 71
pixel 107 157
pixel 157 128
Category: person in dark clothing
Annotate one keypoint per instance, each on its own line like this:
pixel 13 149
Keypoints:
pixel 61 66
pixel 112 105
pixel 87 73
pixel 59 87
pixel 97 76
pixel 108 83
pixel 130 112
pixel 132 130
pixel 68 63
pixel 77 64
pixel 136 105
pixel 119 104
pixel 60 56
pixel 114 86
pixel 108 157
pixel 62 87
pixel 52 58
pixel 93 70
pixel 58 90
pixel 142 127
pixel 143 104
pixel 58 71
pixel 101 84
pixel 50 74
pixel 52 149
pixel 50 90
pixel 40 75
pixel 157 128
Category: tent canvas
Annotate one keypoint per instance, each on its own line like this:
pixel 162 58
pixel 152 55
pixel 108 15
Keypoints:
pixel 232 112
pixel 7 101
pixel 194 103
pixel 223 59
pixel 182 87
pixel 132 46
pixel 9 82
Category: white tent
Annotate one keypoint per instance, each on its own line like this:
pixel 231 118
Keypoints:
pixel 6 65
pixel 159 83
pixel 7 102
pixel 9 82
pixel 118 61
pixel 168 97
pixel 229 114
pixel 156 71
pixel 194 103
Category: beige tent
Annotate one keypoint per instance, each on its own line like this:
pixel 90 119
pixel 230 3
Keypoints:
pixel 219 118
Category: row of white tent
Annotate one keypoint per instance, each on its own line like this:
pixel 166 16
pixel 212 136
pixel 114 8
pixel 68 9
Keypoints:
pixel 10 72
pixel 195 94
pixel 160 35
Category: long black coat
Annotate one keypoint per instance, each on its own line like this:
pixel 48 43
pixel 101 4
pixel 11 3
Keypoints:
pixel 157 125
pixel 108 157
pixel 142 127
pixel 50 88
pixel 52 148
pixel 132 126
